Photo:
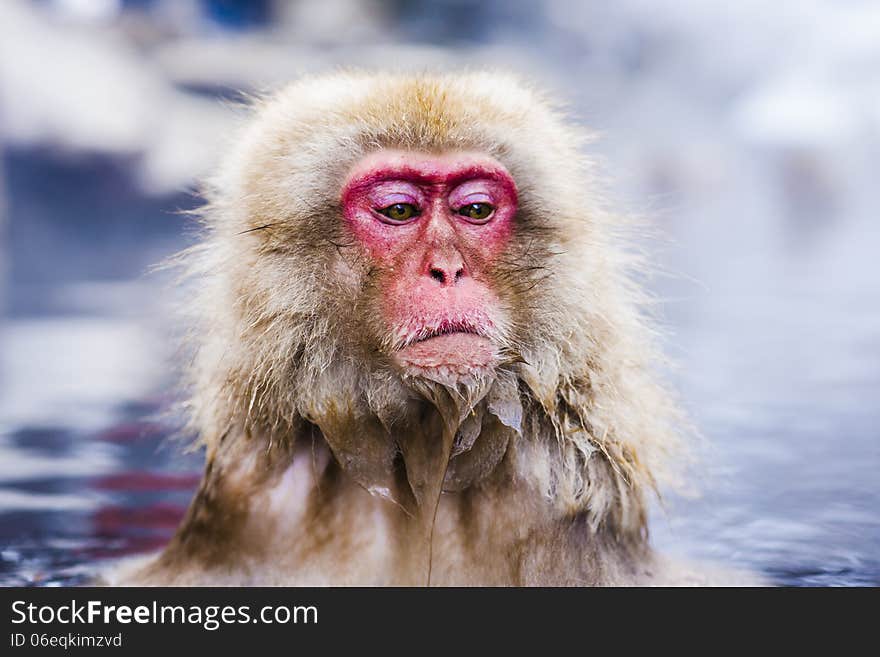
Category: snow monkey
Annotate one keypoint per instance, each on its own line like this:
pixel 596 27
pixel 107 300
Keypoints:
pixel 421 358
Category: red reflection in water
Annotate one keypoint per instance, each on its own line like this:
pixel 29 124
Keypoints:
pixel 139 482
pixel 110 520
pixel 130 530
pixel 124 530
pixel 148 501
pixel 126 432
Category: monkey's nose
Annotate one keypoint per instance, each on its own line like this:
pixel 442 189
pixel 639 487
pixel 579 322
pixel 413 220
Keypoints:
pixel 446 275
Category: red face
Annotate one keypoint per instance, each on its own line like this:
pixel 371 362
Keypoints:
pixel 434 225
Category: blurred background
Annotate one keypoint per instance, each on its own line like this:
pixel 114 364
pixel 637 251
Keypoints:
pixel 748 132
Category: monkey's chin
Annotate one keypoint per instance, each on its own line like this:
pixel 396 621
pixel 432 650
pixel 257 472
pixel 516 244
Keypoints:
pixel 454 353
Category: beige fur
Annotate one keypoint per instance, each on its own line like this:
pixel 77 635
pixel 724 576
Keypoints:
pixel 304 421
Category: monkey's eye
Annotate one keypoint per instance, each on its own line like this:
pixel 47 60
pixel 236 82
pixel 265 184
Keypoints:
pixel 400 212
pixel 476 211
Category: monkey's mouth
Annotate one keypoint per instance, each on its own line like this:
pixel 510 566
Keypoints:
pixel 457 346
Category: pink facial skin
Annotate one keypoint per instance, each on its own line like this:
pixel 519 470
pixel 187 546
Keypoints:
pixel 438 304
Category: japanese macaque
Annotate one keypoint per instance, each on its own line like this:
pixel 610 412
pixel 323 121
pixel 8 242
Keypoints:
pixel 421 357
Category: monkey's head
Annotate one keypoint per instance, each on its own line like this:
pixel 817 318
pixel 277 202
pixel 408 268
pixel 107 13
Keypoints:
pixel 380 247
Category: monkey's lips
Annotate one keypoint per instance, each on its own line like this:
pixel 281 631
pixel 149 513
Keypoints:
pixel 458 351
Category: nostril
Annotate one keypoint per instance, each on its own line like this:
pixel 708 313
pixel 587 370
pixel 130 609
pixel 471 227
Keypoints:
pixel 459 274
pixel 438 275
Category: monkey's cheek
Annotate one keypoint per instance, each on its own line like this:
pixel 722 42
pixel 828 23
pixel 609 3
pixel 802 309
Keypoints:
pixel 456 354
